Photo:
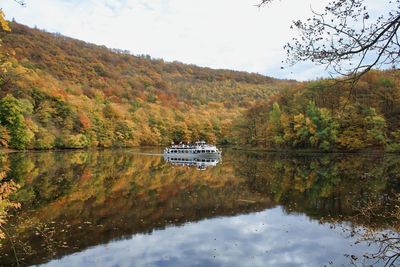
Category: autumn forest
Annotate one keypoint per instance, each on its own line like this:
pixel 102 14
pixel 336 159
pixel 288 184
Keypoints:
pixel 58 92
pixel 293 170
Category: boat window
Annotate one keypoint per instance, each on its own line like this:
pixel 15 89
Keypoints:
pixel 208 151
pixel 203 151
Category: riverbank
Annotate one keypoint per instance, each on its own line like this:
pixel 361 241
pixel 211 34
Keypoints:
pixel 8 150
pixel 315 151
pixel 237 148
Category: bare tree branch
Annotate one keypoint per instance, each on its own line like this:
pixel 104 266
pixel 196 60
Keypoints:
pixel 21 2
pixel 346 39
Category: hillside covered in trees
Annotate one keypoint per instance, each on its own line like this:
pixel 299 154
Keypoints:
pixel 58 92
pixel 328 115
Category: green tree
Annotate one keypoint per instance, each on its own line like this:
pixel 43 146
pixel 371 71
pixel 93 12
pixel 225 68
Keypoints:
pixel 275 132
pixel 73 141
pixel 11 116
pixel 325 132
pixel 375 125
pixel 316 128
pixel 44 139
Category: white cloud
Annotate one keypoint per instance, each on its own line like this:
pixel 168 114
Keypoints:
pixel 232 34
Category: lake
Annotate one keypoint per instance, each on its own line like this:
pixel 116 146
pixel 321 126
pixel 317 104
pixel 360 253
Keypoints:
pixel 131 208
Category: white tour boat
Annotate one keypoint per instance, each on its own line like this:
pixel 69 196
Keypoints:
pixel 199 150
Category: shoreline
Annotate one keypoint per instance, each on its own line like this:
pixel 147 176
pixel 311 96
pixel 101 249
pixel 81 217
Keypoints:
pixel 314 151
pixel 236 148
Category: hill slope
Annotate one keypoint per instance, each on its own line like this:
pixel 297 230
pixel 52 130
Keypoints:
pixel 63 92
pixel 329 115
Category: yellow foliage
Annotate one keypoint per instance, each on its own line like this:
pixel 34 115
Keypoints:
pixel 3 23
pixel 298 120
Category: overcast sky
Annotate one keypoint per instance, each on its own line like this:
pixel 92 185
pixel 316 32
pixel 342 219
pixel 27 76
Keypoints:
pixel 231 34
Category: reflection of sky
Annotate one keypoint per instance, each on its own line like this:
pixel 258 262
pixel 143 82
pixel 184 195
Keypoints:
pixel 268 238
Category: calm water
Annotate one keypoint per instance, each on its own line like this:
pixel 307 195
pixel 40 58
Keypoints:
pixel 131 208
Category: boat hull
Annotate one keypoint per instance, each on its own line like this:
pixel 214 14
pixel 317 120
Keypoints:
pixel 193 155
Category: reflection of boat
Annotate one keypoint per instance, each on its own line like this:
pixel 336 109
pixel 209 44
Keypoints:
pixel 199 150
pixel 200 163
pixel 200 154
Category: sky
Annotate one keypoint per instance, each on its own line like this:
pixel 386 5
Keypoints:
pixel 228 34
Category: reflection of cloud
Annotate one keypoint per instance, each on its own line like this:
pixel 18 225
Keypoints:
pixel 268 238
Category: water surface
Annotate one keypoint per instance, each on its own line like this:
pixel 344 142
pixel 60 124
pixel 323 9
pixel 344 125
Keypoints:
pixel 131 208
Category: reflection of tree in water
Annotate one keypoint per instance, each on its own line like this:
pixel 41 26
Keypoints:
pixel 362 190
pixel 75 200
pixel 7 188
pixel 377 223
